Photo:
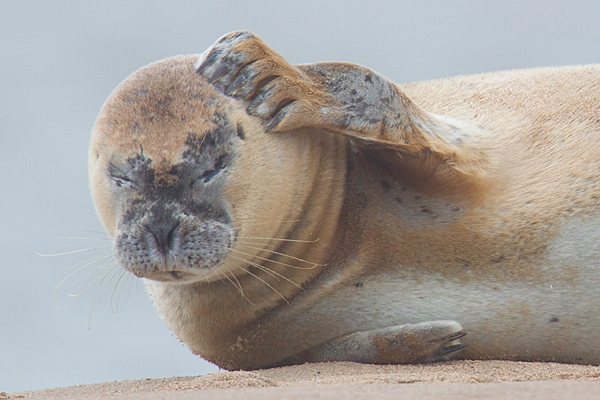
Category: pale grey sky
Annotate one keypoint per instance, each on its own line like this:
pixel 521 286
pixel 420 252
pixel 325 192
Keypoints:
pixel 59 60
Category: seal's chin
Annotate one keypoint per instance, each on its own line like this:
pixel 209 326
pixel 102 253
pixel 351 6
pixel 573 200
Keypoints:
pixel 171 276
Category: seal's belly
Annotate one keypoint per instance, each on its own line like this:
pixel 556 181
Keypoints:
pixel 550 315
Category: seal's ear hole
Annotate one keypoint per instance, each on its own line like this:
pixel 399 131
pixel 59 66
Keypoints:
pixel 240 132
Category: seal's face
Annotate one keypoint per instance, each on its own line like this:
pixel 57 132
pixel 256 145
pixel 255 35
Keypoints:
pixel 162 152
pixel 175 223
pixel 191 188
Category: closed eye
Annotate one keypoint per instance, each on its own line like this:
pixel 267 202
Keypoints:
pixel 211 173
pixel 121 181
pixel 118 178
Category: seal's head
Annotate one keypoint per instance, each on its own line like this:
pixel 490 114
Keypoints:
pixel 178 173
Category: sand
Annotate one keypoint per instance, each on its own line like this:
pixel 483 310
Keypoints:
pixel 464 379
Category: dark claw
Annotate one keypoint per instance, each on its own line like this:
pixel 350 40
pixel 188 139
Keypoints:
pixel 242 33
pixel 219 73
pixel 236 85
pixel 256 102
pixel 276 121
pixel 282 111
pixel 210 60
pixel 452 349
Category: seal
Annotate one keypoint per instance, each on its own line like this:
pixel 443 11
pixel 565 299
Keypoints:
pixel 282 213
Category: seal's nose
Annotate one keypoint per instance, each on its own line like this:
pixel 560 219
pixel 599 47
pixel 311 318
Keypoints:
pixel 164 236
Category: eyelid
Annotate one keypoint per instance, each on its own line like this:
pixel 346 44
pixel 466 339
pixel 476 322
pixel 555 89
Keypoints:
pixel 220 165
pixel 120 180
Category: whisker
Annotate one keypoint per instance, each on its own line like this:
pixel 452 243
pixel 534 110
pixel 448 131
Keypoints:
pixel 233 283
pixel 219 276
pixel 130 280
pixel 92 283
pixel 99 296
pixel 83 238
pixel 72 251
pixel 238 286
pixel 89 261
pixel 269 271
pixel 101 266
pixel 280 239
pixel 258 244
pixel 273 261
pixel 99 233
pixel 269 221
pixel 263 281
pixel 116 308
pixel 86 263
pixel 286 255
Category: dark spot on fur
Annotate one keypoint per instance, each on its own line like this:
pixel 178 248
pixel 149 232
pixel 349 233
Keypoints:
pixel 426 210
pixel 358 284
pixel 455 209
pixel 418 197
pixel 553 319
pixel 398 199
pixel 498 259
pixel 135 128
pixel 142 92
pixel 240 132
pixel 368 78
pixel 463 262
pixel 219 136
pixel 386 185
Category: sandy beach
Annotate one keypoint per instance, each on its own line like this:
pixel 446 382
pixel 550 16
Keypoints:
pixel 464 379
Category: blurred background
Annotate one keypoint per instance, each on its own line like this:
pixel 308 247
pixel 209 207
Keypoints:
pixel 59 60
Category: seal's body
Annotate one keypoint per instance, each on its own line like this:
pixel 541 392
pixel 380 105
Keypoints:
pixel 285 214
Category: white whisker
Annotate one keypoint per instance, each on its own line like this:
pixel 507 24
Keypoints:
pixel 73 251
pixel 266 283
pixel 82 238
pixel 269 271
pixel 275 262
pixel 279 239
pixel 85 263
pixel 287 255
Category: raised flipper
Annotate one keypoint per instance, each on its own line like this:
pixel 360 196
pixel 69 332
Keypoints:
pixel 402 344
pixel 339 97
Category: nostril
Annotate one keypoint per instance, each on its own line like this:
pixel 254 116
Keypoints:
pixel 171 236
pixel 165 236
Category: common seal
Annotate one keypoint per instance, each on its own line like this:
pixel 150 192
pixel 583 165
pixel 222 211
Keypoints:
pixel 291 213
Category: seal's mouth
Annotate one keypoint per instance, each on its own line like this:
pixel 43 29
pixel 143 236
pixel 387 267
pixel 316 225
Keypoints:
pixel 170 276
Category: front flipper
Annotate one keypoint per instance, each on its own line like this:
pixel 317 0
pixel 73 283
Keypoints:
pixel 344 98
pixel 402 344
